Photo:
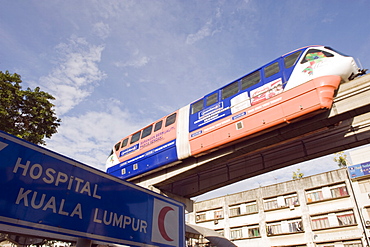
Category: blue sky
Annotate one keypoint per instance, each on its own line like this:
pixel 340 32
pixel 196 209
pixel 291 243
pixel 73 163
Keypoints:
pixel 116 66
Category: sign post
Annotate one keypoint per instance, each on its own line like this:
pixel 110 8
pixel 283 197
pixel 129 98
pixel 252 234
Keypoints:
pixel 53 195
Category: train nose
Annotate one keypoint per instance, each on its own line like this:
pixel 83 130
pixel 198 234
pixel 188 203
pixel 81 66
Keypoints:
pixel 356 71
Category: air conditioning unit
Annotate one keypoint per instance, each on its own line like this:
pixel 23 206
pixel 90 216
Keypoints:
pixel 367 222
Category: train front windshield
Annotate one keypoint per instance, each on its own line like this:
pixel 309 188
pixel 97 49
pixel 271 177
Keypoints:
pixel 313 54
pixel 340 53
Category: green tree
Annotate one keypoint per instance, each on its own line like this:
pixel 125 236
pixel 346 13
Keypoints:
pixel 27 114
pixel 297 175
pixel 341 159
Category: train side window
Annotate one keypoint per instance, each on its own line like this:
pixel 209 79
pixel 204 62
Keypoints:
pixel 197 106
pixel 116 147
pixel 271 69
pixel 314 54
pixel 211 99
pixel 147 131
pixel 170 119
pixel 158 126
pixel 290 60
pixel 135 137
pixel 230 90
pixel 124 143
pixel 251 79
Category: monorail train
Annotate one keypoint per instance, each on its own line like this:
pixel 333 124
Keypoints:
pixel 298 84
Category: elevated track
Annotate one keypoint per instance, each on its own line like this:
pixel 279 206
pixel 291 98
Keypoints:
pixel 345 125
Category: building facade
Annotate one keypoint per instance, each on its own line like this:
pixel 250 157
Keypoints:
pixel 321 210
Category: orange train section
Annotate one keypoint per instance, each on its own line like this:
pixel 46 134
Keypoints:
pixel 307 98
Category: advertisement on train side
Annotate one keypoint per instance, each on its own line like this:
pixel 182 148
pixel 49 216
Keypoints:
pixel 236 103
pixel 51 194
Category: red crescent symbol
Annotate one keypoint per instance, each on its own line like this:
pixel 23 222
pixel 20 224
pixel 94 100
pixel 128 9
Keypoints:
pixel 161 216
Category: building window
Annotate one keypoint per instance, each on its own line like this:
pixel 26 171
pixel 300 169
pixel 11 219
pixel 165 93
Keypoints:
pixel 221 232
pixel 364 185
pixel 235 211
pixel 236 233
pixel 245 232
pixel 253 232
pixel 339 191
pixel 274 229
pixel 219 214
pixel 367 210
pixel 201 217
pixel 214 214
pixel 270 204
pixel 251 207
pixel 351 243
pixel 281 201
pixel 284 227
pixel 244 208
pixel 320 222
pixel 327 192
pixel 291 200
pixel 315 196
pixel 346 218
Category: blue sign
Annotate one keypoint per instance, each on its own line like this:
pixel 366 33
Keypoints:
pixel 359 170
pixel 129 150
pixel 42 190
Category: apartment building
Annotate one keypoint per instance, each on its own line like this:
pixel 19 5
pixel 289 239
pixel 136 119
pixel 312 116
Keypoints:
pixel 320 210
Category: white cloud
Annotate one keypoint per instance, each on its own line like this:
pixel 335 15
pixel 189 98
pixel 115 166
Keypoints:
pixel 136 60
pixel 204 32
pixel 75 75
pixel 109 9
pixel 101 29
pixel 88 138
